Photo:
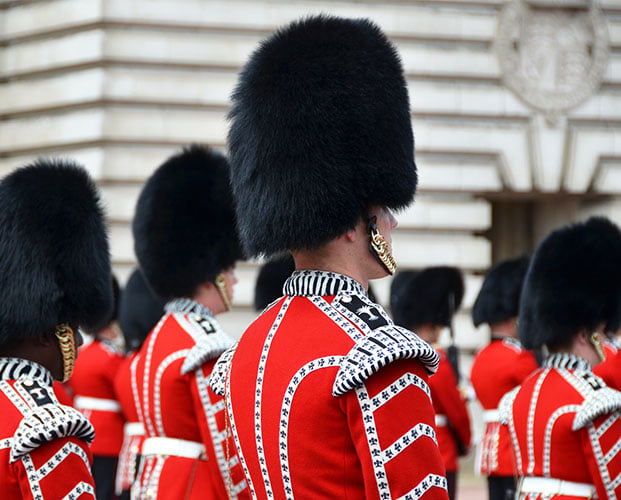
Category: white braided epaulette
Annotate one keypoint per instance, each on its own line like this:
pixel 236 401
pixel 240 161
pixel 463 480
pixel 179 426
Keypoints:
pixel 207 348
pixel 505 407
pixel 217 381
pixel 600 402
pixel 386 344
pixel 46 423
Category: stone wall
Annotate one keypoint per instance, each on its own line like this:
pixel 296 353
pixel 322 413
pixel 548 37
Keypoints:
pixel 507 135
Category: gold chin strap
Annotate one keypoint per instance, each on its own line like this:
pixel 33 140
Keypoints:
pixel 596 342
pixel 379 247
pixel 66 341
pixel 221 284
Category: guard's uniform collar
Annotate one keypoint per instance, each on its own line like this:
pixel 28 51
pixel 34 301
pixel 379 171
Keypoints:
pixel 567 361
pixel 323 283
pixel 188 306
pixel 15 368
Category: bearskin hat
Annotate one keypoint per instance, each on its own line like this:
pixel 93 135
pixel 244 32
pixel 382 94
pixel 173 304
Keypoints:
pixel 427 297
pixel 139 310
pixel 573 283
pixel 270 280
pixel 499 297
pixel 184 225
pixel 320 131
pixel 54 256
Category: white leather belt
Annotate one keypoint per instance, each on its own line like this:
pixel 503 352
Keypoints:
pixel 134 429
pixel 490 416
pixel 549 486
pixel 441 421
pixel 173 448
pixel 100 404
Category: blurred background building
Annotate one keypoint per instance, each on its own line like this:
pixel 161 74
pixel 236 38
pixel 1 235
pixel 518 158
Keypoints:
pixel 516 108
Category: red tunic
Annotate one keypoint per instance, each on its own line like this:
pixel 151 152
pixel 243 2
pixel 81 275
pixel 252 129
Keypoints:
pixel 43 445
pixel 63 394
pixel 93 385
pixel 329 399
pixel 126 390
pixel 565 424
pixel 452 419
pixel 175 402
pixel 610 369
pixel 497 369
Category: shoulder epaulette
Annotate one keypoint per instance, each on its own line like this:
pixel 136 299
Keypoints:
pixel 513 343
pixel 46 423
pixel 217 381
pixel 211 341
pixel 505 407
pixel 601 401
pixel 381 347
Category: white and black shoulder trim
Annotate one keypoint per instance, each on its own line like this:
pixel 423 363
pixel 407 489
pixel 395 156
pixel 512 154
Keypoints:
pixel 199 322
pixel 217 381
pixel 601 401
pixel 383 346
pixel 505 407
pixel 46 423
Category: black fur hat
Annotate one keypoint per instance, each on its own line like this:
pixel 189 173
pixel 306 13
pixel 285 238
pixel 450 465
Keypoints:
pixel 499 297
pixel 427 297
pixel 271 279
pixel 54 256
pixel 573 283
pixel 184 226
pixel 139 310
pixel 320 131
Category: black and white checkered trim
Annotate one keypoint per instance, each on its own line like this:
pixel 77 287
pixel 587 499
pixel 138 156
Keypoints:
pixel 322 283
pixel 567 361
pixel 601 402
pixel 217 381
pixel 382 347
pixel 47 423
pixel 199 322
pixel 15 368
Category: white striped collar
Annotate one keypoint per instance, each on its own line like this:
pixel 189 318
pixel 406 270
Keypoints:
pixel 186 306
pixel 567 361
pixel 14 368
pixel 322 283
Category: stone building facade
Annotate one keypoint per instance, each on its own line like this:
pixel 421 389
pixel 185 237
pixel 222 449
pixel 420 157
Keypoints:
pixel 516 109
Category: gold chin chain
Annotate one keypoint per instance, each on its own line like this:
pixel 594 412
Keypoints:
pixel 596 342
pixel 221 284
pixel 66 341
pixel 380 248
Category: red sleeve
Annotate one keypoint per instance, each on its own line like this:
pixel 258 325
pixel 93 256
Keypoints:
pixel 391 422
pixel 56 470
pixel 450 399
pixel 601 441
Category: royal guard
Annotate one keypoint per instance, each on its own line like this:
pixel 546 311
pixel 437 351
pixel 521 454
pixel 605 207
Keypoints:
pixel 610 369
pixel 187 247
pixel 55 279
pixel 425 302
pixel 139 312
pixel 92 384
pixel 327 397
pixel 499 367
pixel 270 280
pixel 564 422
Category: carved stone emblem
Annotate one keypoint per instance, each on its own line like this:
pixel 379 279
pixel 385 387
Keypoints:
pixel 552 53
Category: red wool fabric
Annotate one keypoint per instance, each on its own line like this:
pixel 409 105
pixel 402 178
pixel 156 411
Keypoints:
pixel 498 368
pixel 298 440
pixel 93 377
pixel 448 401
